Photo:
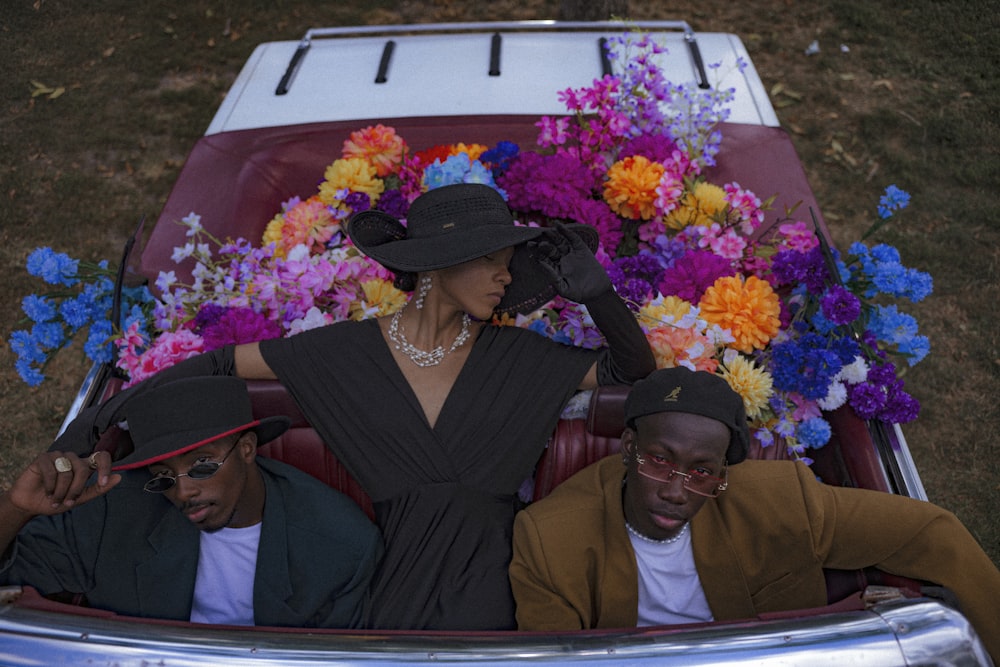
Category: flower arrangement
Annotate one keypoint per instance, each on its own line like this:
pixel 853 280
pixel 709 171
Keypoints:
pixel 793 326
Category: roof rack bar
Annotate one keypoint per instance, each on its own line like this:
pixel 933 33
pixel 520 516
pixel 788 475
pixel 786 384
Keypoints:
pixel 699 64
pixel 495 43
pixel 293 66
pixel 383 63
pixel 495 26
pixel 602 50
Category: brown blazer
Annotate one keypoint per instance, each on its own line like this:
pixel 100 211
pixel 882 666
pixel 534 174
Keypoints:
pixel 761 546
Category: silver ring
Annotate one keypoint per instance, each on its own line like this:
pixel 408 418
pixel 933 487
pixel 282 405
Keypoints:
pixel 63 464
pixel 92 461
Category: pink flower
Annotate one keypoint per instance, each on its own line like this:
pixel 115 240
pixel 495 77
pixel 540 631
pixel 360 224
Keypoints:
pixel 168 349
pixel 798 236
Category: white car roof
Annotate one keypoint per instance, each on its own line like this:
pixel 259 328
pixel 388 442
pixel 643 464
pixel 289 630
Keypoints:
pixel 445 70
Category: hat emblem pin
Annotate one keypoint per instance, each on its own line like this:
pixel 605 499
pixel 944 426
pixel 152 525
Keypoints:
pixel 673 396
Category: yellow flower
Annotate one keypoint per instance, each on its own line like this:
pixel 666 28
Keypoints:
pixel 472 150
pixel 381 294
pixel 272 234
pixel 667 309
pixel 700 206
pixel 355 174
pixel 631 187
pixel 753 384
pixel 748 309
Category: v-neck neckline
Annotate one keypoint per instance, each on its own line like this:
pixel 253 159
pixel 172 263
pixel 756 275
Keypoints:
pixel 411 396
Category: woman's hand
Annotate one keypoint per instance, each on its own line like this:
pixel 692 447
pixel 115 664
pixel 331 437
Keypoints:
pixel 575 272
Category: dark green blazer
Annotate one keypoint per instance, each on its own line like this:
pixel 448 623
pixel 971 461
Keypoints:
pixel 134 553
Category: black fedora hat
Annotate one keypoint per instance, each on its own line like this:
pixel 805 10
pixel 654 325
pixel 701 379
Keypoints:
pixel 454 224
pixel 184 414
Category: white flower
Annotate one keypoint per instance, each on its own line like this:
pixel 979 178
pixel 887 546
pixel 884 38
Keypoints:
pixel 855 372
pixel 193 222
pixel 165 280
pixel 836 396
pixel 182 252
pixel 314 318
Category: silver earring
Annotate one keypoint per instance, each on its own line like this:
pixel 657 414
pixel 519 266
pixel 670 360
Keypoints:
pixel 422 290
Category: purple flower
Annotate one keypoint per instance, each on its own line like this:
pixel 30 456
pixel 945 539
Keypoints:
pixel 394 203
pixel 840 305
pixel 791 267
pixel 694 273
pixel 239 325
pixel 866 399
pixel 208 315
pixel 358 201
pixel 655 147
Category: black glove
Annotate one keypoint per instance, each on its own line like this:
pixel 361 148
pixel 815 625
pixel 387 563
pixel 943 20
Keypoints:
pixel 575 272
pixel 85 430
pixel 628 357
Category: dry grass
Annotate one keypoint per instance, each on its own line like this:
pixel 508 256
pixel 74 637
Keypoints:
pixel 912 102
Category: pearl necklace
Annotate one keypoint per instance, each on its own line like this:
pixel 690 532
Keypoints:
pixel 420 357
pixel 669 540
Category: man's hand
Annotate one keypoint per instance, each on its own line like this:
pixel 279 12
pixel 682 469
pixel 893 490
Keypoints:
pixel 55 482
pixel 575 272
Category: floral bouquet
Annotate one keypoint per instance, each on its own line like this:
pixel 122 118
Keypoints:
pixel 794 327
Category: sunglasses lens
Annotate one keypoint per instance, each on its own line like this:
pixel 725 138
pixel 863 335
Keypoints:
pixel 703 485
pixel 204 470
pixel 158 484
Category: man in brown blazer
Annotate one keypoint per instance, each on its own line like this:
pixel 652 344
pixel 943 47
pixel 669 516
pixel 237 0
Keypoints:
pixel 673 531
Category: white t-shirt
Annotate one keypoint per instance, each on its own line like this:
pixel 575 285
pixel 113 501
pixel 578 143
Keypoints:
pixel 670 591
pixel 223 589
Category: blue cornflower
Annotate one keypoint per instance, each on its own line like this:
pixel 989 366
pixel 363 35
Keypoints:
pixel 55 268
pixel 38 308
pixel 893 200
pixel 805 365
pixel 26 347
pixel 31 375
pixel 499 157
pixel 50 335
pixel 813 432
pixel 98 345
pixel 76 312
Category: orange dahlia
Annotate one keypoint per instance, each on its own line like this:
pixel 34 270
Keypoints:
pixel 749 309
pixel 631 187
pixel 378 144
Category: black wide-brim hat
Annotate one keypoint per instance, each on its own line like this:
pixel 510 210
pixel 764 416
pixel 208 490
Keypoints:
pixel 696 392
pixel 455 224
pixel 185 414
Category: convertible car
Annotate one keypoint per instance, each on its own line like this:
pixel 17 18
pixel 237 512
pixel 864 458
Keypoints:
pixel 285 119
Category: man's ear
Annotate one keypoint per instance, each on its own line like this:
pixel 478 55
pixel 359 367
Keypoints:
pixel 628 445
pixel 247 444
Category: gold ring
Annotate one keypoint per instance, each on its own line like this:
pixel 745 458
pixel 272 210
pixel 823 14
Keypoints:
pixel 63 464
pixel 92 461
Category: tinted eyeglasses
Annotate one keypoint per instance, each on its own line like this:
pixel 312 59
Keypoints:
pixel 694 481
pixel 200 470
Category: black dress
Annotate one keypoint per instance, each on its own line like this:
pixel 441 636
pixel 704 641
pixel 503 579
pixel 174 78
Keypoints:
pixel 444 497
